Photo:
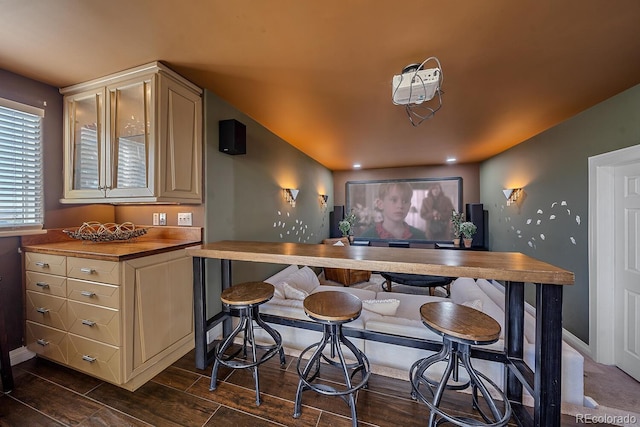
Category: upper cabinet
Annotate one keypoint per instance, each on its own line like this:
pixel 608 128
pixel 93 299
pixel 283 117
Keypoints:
pixel 133 137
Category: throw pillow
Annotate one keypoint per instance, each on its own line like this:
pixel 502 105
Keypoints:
pixel 304 279
pixel 291 292
pixel 385 307
pixel 277 279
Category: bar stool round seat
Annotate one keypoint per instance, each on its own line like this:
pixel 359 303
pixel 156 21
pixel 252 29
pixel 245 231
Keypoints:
pixel 460 327
pixel 332 309
pixel 246 298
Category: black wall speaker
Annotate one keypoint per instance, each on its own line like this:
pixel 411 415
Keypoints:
pixel 477 215
pixel 335 217
pixel 233 137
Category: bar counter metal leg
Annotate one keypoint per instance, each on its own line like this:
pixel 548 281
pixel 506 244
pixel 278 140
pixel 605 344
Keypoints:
pixel 199 313
pixel 548 380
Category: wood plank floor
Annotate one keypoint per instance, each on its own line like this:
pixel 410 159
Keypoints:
pixel 47 394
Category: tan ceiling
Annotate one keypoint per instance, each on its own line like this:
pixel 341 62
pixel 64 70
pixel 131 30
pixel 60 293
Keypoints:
pixel 318 72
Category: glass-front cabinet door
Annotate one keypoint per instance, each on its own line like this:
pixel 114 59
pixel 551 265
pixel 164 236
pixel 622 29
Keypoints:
pixel 85 150
pixel 130 134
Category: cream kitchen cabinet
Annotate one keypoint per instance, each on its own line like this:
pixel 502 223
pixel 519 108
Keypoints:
pixel 121 321
pixel 133 137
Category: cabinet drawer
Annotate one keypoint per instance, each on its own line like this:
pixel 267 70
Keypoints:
pixel 94 270
pixel 94 358
pixel 95 322
pixel 93 293
pixel 46 309
pixel 45 263
pixel 47 284
pixel 46 341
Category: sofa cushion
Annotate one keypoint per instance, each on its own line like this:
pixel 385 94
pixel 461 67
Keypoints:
pixel 281 274
pixel 495 291
pixel 476 304
pixel 384 307
pixel 465 289
pixel 409 307
pixel 363 294
pixel 491 289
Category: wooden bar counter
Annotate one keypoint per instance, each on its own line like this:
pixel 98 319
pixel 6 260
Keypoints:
pixel 515 269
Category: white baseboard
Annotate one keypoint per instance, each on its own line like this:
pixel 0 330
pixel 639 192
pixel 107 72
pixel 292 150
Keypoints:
pixel 20 355
pixel 214 333
pixel 576 343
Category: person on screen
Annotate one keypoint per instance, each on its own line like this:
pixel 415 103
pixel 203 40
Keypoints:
pixel 436 211
pixel 393 202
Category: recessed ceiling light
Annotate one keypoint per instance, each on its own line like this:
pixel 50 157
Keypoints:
pixel 357 165
pixel 451 159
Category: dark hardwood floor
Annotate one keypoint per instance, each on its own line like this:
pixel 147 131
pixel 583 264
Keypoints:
pixel 47 394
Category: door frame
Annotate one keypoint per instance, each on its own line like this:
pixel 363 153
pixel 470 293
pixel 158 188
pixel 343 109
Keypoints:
pixel 601 250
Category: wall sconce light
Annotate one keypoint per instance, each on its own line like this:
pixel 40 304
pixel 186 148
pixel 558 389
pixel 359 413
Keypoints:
pixel 512 195
pixel 323 200
pixel 290 195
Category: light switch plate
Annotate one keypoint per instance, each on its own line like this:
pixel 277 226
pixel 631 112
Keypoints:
pixel 185 218
pixel 156 219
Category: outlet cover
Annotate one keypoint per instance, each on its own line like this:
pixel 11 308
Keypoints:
pixel 185 219
pixel 163 218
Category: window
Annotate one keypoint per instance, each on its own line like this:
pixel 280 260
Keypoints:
pixel 21 192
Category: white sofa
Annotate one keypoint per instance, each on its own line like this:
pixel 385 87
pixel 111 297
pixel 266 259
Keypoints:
pixel 403 318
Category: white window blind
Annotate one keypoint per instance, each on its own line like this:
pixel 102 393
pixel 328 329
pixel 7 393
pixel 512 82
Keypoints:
pixel 87 157
pixel 132 170
pixel 21 192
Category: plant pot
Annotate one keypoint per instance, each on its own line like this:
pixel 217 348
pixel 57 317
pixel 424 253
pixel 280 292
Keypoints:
pixel 456 241
pixel 467 242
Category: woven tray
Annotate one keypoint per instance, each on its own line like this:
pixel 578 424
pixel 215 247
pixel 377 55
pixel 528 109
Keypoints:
pixel 108 232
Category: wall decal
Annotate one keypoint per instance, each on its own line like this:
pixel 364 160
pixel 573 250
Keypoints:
pixel 298 230
pixel 550 232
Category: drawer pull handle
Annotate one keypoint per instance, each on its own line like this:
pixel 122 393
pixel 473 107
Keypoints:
pixel 88 322
pixel 87 270
pixel 42 264
pixel 88 358
pixel 42 310
pixel 42 342
pixel 43 285
pixel 87 294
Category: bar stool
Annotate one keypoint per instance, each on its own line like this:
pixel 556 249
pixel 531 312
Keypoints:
pixel 332 309
pixel 246 298
pixel 460 327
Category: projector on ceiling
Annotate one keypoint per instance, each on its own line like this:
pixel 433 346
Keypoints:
pixel 415 87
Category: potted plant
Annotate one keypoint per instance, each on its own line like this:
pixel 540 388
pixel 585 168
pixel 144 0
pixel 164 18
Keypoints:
pixel 468 229
pixel 346 225
pixel 456 220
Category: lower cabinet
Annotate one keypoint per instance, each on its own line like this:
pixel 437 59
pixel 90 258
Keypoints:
pixel 123 322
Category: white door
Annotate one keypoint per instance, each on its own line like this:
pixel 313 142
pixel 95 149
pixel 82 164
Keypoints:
pixel 627 269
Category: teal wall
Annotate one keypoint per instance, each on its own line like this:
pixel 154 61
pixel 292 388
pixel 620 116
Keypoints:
pixel 550 222
pixel 243 193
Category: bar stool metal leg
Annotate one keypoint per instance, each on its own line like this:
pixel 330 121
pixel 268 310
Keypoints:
pixel 246 298
pixel 456 353
pixel 457 337
pixel 334 338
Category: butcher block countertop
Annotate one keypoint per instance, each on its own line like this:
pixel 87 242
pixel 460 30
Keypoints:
pixel 157 240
